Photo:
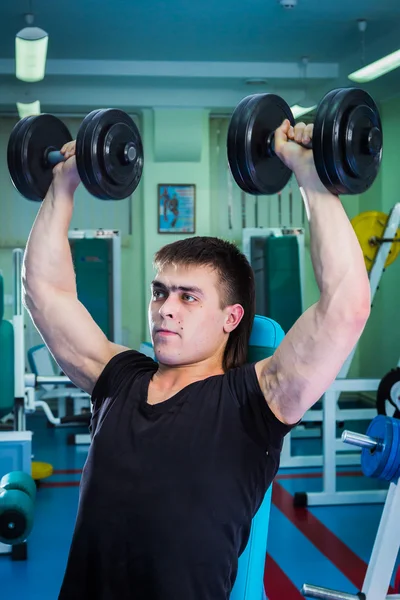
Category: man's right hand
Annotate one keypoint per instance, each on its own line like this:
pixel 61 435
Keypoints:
pixel 65 174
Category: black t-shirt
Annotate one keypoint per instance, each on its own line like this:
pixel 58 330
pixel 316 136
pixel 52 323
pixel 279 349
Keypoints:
pixel 168 491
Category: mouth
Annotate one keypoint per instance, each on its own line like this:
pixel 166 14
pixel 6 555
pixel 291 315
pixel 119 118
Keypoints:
pixel 165 332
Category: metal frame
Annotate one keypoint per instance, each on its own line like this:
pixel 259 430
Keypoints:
pixel 386 546
pixel 25 383
pixel 331 413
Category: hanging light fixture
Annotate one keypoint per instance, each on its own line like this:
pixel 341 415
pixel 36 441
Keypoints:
pixel 377 68
pixel 29 109
pixel 308 103
pixel 30 52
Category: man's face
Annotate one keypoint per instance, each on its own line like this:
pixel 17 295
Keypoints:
pixel 187 323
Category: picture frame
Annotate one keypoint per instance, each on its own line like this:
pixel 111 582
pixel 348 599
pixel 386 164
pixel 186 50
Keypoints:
pixel 176 208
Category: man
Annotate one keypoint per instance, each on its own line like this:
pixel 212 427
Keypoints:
pixel 184 449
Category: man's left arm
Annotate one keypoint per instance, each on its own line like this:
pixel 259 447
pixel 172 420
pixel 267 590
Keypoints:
pixel 314 350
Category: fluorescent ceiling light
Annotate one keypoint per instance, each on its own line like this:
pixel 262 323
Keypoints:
pixel 30 54
pixel 299 111
pixel 26 110
pixel 377 68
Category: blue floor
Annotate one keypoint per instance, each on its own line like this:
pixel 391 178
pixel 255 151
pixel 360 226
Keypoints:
pixel 294 555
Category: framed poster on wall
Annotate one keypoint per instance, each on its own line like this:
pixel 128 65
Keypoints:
pixel 176 208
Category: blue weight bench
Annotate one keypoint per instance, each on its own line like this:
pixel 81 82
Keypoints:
pixel 265 337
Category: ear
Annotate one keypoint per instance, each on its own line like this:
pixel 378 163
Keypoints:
pixel 234 314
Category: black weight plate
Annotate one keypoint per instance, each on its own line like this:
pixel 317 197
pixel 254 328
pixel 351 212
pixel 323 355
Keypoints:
pixel 234 150
pixel 27 146
pixel 255 119
pixel 14 167
pixel 350 116
pixel 83 153
pixel 385 389
pixel 244 161
pixel 318 141
pixel 355 114
pixel 101 141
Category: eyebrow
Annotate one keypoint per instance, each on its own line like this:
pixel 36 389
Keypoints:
pixel 176 288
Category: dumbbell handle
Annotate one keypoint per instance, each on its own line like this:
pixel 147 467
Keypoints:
pixel 312 591
pixel 54 157
pixel 271 144
pixel 128 155
pixel 372 142
pixel 360 440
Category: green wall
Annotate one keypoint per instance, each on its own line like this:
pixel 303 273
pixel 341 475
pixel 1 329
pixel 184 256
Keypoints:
pixel 176 146
pixel 187 146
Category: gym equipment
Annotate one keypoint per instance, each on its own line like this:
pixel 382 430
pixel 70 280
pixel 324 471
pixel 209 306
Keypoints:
pixel 347 142
pixel 389 391
pixel 387 541
pixel 312 591
pixel 7 360
pixel 334 452
pixel 369 227
pixel 41 470
pixel 97 262
pixel 17 495
pixel 266 335
pixel 380 455
pixel 276 255
pixel 109 154
pixel 25 396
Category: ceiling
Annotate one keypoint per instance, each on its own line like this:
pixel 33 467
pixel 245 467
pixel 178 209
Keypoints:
pixel 187 53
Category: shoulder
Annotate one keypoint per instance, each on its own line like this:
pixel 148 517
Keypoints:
pixel 122 367
pixel 243 381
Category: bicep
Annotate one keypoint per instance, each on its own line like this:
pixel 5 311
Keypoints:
pixel 307 361
pixel 75 340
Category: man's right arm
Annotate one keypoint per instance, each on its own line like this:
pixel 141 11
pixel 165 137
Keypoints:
pixel 49 288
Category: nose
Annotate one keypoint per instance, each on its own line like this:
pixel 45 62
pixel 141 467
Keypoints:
pixel 169 307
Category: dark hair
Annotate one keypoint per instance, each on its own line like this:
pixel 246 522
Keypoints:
pixel 237 281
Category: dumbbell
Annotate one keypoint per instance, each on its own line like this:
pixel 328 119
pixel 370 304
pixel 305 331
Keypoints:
pixel 380 455
pixel 17 496
pixel 347 142
pixel 109 154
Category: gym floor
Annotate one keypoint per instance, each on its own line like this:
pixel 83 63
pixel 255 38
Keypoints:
pixel 327 546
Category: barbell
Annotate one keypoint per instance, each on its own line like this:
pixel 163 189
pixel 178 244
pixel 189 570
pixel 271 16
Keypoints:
pixel 347 142
pixel 109 154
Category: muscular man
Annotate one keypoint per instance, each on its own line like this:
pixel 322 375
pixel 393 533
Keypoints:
pixel 183 449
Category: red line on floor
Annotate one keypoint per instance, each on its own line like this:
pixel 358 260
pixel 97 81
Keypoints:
pixel 323 539
pixel 59 484
pixel 344 559
pixel 277 583
pixel 66 471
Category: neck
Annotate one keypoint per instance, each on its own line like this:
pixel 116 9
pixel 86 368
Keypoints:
pixel 171 376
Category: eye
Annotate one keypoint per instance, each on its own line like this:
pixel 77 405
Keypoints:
pixel 157 294
pixel 189 298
